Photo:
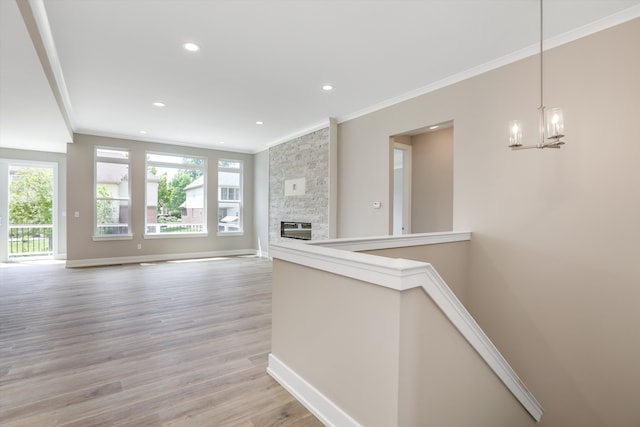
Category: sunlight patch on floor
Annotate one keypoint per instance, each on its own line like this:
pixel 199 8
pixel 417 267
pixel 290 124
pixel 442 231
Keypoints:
pixel 180 261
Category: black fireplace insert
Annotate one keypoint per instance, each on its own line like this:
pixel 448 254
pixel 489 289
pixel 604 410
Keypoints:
pixel 295 230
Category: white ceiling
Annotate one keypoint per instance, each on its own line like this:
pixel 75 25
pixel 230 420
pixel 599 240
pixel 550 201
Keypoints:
pixel 261 60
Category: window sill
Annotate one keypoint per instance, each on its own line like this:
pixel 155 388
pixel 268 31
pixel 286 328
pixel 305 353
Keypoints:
pixel 230 233
pixel 113 237
pixel 174 235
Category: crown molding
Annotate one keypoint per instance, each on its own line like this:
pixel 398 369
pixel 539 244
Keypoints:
pixel 578 33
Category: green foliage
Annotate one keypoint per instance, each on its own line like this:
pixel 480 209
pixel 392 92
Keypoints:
pixel 178 194
pixel 103 207
pixel 31 200
pixel 166 219
pixel 171 191
pixel 164 192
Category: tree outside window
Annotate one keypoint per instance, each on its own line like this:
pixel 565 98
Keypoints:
pixel 30 211
pixel 31 196
pixel 175 194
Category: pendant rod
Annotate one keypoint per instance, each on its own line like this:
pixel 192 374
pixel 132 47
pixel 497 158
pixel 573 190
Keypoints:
pixel 541 59
pixel 541 108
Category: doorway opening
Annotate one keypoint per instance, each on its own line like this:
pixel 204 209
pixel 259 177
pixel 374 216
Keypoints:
pixel 27 221
pixel 401 188
pixel 422 180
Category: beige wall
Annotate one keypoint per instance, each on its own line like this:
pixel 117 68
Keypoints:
pixel 432 181
pixel 451 261
pixel 346 349
pixel 443 381
pixel 554 274
pixel 80 161
pixel 386 358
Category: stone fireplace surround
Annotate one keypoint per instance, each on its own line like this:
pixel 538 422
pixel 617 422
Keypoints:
pixel 299 184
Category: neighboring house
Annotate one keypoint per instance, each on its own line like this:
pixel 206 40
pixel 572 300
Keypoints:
pixel 193 206
pixel 228 206
pixel 152 198
pixel 228 201
pixel 113 178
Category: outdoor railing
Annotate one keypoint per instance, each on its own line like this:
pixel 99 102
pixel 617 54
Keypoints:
pixel 174 227
pixel 30 240
pixel 112 229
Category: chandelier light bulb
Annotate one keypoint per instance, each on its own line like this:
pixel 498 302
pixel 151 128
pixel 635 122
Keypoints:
pixel 515 133
pixel 554 124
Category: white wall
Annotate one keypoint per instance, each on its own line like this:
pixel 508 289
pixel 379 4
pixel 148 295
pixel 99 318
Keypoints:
pixel 261 202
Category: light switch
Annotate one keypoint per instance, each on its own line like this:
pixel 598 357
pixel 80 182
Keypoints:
pixel 76 214
pixel 376 205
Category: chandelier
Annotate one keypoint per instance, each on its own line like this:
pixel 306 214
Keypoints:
pixel 551 120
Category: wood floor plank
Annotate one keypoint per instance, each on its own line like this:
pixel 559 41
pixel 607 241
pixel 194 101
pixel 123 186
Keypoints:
pixel 162 344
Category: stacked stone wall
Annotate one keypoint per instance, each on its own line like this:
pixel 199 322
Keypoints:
pixel 304 157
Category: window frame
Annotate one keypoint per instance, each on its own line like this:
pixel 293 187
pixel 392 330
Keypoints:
pixel 240 201
pixel 177 166
pixel 115 160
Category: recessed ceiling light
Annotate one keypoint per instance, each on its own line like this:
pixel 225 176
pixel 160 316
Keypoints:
pixel 158 104
pixel 221 142
pixel 259 123
pixel 191 47
pixel 327 87
pixel 434 127
pixel 143 132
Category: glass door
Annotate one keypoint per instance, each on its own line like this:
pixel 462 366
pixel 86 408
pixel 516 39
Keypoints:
pixel 27 230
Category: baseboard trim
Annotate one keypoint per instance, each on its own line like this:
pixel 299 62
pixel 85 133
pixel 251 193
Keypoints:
pixel 317 403
pixel 95 262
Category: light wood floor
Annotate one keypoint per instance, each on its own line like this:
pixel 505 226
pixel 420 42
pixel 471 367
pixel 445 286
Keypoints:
pixel 166 344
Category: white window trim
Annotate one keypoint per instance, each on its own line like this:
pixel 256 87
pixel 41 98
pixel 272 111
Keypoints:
pixel 175 235
pixel 239 171
pixel 128 236
pixel 99 237
pixel 230 233
pixel 161 164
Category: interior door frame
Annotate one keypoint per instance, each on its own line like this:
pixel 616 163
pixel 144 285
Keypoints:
pixel 406 189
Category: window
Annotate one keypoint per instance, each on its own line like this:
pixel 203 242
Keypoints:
pixel 112 194
pixel 229 196
pixel 176 195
